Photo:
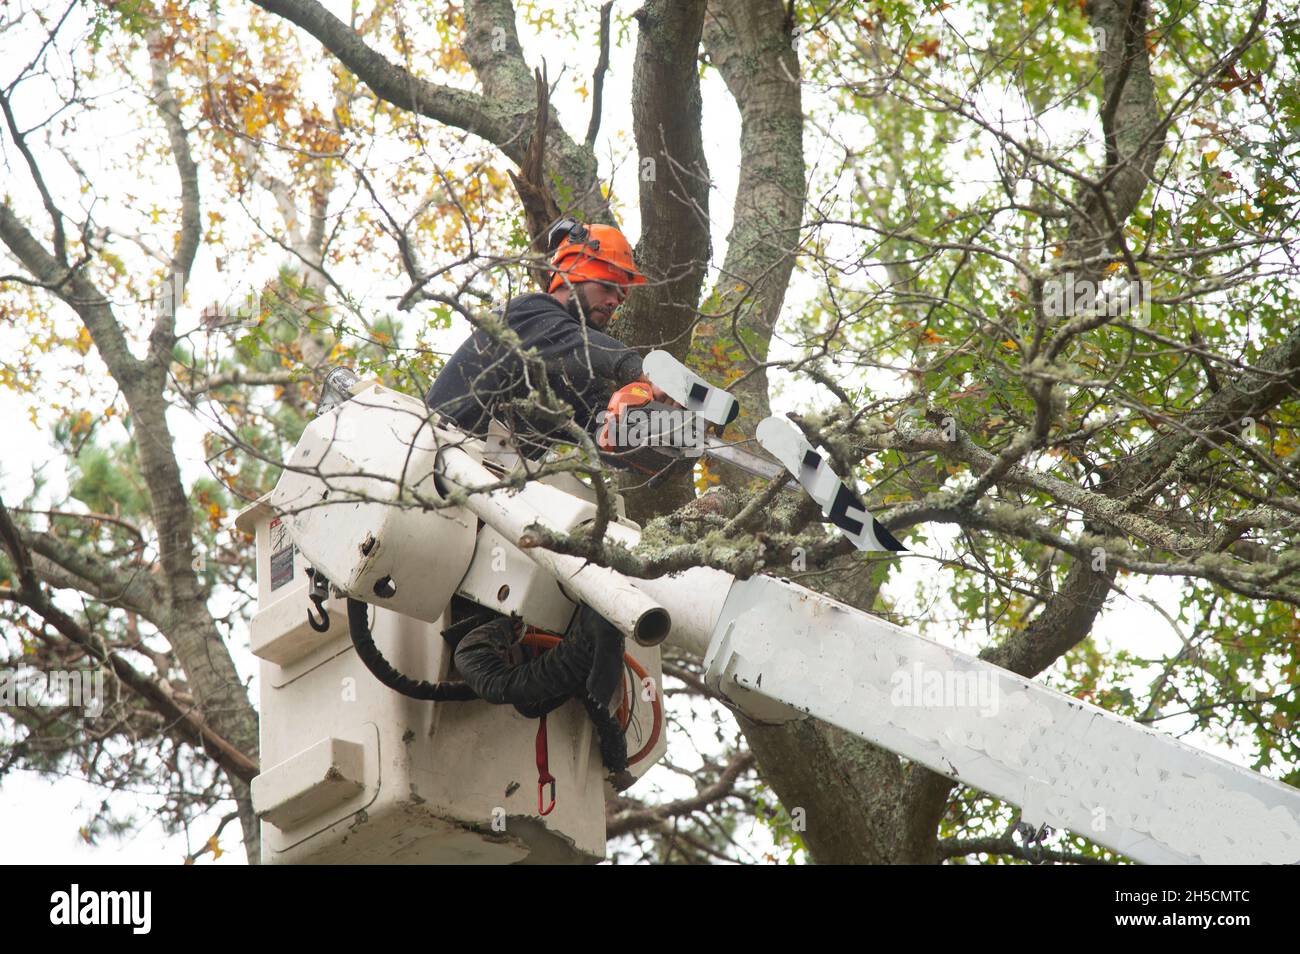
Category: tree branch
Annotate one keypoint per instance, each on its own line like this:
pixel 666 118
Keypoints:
pixel 29 594
pixel 673 249
pixel 501 115
pixel 20 140
pixel 1006 845
pixel 634 819
pixel 163 336
pixel 598 77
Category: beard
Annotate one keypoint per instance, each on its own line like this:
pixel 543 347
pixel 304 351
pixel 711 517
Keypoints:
pixel 579 307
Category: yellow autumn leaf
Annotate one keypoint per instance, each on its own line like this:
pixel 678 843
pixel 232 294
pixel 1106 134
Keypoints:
pixel 215 515
pixel 1114 267
pixel 81 422
pixel 1212 155
pixel 706 478
pixel 214 848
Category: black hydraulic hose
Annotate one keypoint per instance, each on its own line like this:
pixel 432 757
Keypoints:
pixel 587 667
pixel 359 629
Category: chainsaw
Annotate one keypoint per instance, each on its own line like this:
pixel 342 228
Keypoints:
pixel 653 437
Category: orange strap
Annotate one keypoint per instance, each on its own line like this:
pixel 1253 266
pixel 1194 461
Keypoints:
pixel 538 639
pixel 544 776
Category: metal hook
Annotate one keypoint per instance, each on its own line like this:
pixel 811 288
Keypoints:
pixel 323 624
pixel 320 591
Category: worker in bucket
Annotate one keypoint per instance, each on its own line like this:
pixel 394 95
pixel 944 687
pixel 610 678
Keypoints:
pixel 592 269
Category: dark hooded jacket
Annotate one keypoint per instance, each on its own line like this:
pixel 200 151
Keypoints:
pixel 583 365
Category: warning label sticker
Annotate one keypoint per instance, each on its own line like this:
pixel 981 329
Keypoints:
pixel 282 550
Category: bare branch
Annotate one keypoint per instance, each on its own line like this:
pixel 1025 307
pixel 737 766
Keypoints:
pixel 631 820
pixel 29 593
pixel 598 77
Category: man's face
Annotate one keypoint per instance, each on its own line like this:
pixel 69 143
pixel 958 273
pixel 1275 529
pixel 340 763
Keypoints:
pixel 597 300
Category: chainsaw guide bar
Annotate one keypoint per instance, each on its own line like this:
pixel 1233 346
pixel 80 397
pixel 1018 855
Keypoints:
pixel 776 435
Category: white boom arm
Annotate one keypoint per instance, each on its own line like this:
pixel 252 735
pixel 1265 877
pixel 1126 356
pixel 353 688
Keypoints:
pixel 782 652
pixel 1066 763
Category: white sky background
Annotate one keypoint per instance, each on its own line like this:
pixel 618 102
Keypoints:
pixel 39 819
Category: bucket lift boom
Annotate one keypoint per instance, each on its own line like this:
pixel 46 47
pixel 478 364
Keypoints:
pixel 402 514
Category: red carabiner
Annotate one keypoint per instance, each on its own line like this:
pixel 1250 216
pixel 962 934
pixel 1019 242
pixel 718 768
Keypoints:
pixel 544 776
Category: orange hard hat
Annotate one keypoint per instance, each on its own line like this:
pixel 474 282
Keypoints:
pixel 594 253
